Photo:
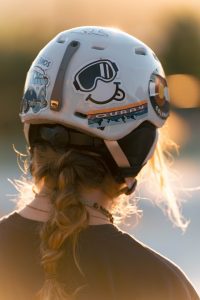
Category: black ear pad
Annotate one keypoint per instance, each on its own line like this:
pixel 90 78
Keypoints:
pixel 136 145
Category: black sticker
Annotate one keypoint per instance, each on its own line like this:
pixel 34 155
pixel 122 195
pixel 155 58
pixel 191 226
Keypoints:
pixel 159 95
pixel 86 80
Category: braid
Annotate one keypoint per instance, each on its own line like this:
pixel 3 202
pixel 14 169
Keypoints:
pixel 69 216
pixel 65 175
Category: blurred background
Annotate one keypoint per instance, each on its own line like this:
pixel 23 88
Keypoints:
pixel 172 29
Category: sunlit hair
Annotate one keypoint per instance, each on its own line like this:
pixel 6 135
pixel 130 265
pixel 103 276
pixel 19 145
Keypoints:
pixel 158 178
pixel 64 175
pixel 162 182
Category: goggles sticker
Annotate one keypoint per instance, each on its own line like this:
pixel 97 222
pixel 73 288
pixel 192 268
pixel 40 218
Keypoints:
pixel 35 95
pixel 159 95
pixel 86 80
pixel 118 115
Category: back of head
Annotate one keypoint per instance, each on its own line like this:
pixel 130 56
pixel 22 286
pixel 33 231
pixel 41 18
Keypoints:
pixel 93 101
pixel 105 84
pixel 64 176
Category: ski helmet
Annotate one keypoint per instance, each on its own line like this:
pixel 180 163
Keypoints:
pixel 104 88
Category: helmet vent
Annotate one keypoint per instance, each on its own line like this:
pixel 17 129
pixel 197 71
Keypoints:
pixel 97 48
pixel 74 44
pixel 61 40
pixel 140 51
pixel 80 115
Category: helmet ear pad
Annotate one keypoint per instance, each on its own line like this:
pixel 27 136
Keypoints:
pixel 138 147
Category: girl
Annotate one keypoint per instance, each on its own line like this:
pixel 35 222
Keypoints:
pixel 94 99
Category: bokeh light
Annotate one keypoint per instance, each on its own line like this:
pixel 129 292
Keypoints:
pixel 178 129
pixel 184 90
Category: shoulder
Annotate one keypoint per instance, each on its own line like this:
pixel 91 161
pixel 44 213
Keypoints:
pixel 8 232
pixel 16 231
pixel 136 267
pixel 6 222
pixel 158 272
pixel 10 221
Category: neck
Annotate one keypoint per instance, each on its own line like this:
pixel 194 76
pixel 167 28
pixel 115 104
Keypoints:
pixel 40 209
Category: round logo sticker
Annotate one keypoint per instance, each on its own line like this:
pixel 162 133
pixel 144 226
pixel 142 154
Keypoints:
pixel 159 95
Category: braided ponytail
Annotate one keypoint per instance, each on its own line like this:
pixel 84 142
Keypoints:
pixel 64 175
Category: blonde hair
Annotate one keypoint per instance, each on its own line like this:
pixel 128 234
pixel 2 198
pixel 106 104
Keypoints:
pixel 64 175
pixel 164 180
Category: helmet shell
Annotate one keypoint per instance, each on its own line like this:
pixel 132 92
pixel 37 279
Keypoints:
pixel 113 82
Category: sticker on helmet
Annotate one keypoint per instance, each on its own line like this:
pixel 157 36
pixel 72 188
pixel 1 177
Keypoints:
pixel 44 62
pixel 91 31
pixel 159 95
pixel 117 115
pixel 89 77
pixel 35 95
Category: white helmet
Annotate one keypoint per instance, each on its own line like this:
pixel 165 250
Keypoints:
pixel 104 83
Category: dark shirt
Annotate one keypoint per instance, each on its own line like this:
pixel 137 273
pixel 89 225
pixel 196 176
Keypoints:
pixel 115 266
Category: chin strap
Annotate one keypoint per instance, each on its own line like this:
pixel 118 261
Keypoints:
pixel 131 185
pixel 122 162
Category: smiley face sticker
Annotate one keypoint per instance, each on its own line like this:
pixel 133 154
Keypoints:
pixel 87 80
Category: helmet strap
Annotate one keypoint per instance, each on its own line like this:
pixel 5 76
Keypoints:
pixel 122 162
pixel 57 93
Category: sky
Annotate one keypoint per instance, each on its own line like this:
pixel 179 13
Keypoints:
pixel 142 18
